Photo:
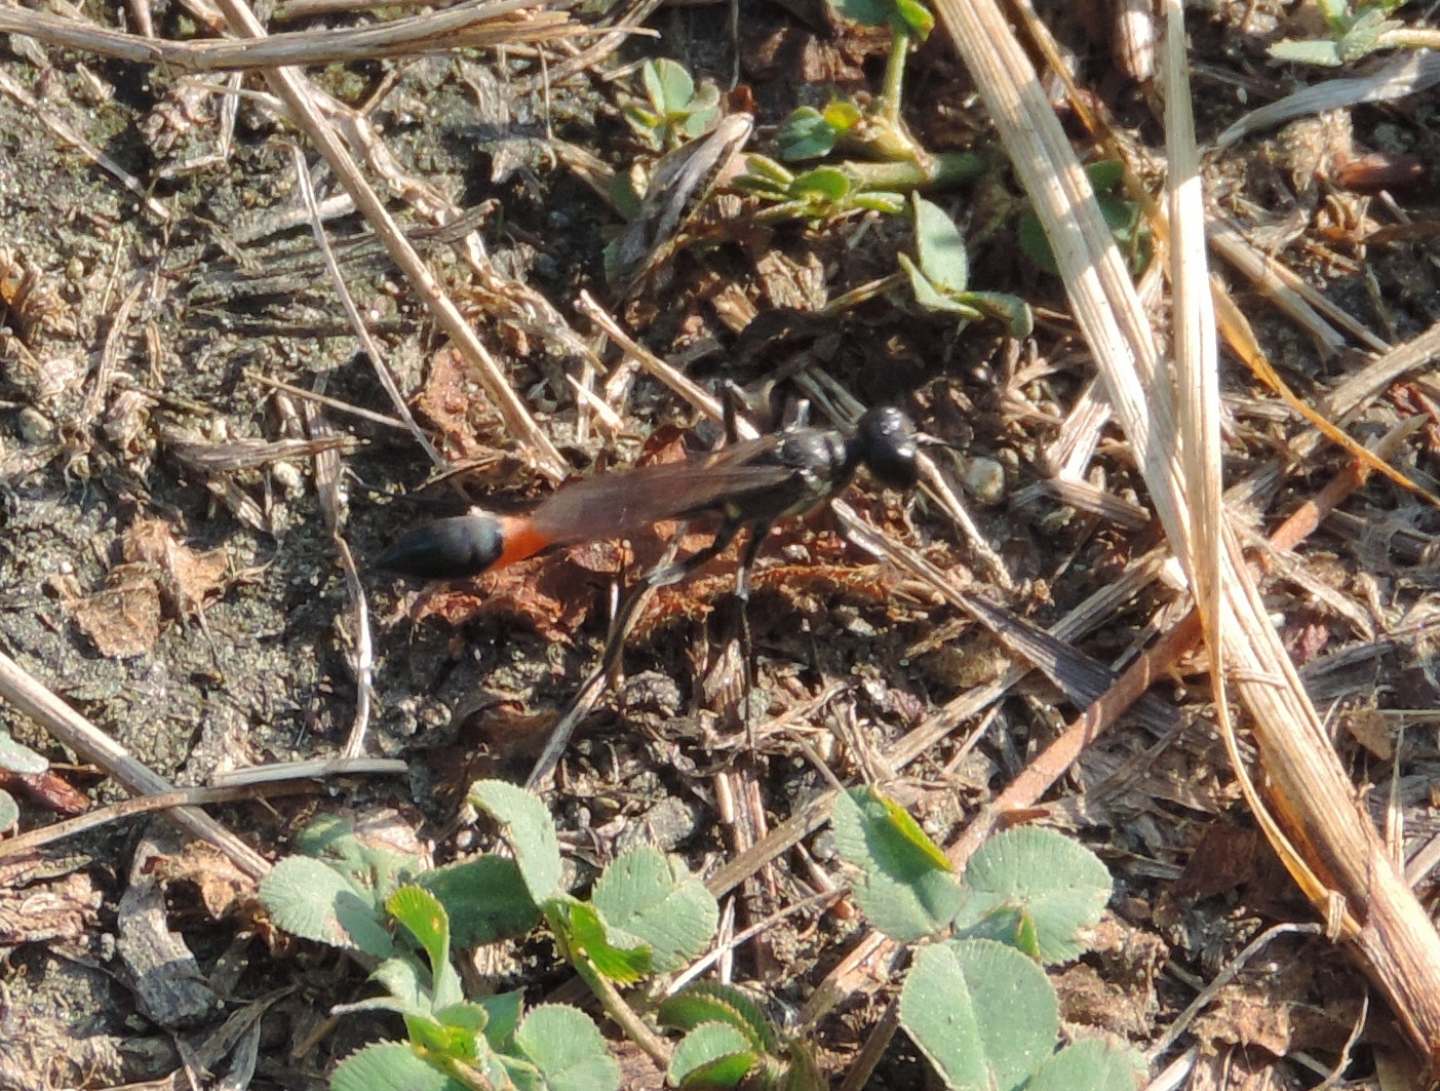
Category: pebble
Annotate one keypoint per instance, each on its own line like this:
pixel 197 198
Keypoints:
pixel 288 476
pixel 35 426
pixel 985 480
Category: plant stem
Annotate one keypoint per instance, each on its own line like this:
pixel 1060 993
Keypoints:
pixel 939 172
pixel 458 1070
pixel 1408 38
pixel 894 73
pixel 624 1016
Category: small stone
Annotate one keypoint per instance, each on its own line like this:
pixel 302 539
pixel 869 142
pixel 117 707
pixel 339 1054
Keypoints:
pixel 288 476
pixel 35 426
pixel 985 480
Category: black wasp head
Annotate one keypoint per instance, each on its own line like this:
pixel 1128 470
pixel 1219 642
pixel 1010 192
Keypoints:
pixel 885 441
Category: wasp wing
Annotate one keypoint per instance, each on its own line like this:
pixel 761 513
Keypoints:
pixel 614 505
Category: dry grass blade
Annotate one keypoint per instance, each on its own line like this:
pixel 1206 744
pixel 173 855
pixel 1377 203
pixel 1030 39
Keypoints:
pixel 1243 343
pixel 313 769
pixel 1196 359
pixel 506 22
pixel 71 729
pixel 692 392
pixel 1405 74
pixel 357 323
pixel 327 475
pixel 1297 299
pixel 1309 789
pixel 36 839
pixel 295 92
pixel 1079 677
pixel 248 454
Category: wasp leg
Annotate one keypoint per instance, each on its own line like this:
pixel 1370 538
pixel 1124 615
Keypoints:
pixel 797 415
pixel 625 619
pixel 664 576
pixel 758 533
pixel 733 400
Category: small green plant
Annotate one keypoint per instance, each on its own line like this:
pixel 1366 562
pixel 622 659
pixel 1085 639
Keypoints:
pixel 673 110
pixel 455 1044
pixel 940 272
pixel 910 22
pixel 646 915
pixel 889 160
pixel 976 1001
pixel 1354 33
pixel 824 193
pixel 16 758
pixel 730 1043
pixel 1124 217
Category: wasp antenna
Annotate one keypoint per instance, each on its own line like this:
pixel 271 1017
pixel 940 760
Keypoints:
pixel 924 439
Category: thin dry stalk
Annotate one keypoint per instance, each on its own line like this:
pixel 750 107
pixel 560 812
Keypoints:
pixel 357 323
pixel 310 769
pixel 1403 75
pixel 102 816
pixel 498 23
pixel 321 399
pixel 625 25
pixel 293 89
pixel 1296 299
pixel 71 729
pixel 637 354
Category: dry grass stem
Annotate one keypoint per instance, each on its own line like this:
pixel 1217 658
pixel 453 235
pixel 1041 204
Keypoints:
pixel 301 103
pixel 488 24
pixel 71 729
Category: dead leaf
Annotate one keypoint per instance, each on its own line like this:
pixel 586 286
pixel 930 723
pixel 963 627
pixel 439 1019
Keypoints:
pixel 189 577
pixel 1306 637
pixel 521 591
pixel 123 620
pixel 48 789
pixel 222 886
pixel 65 910
pixel 446 400
pixel 1223 860
pixel 30 303
pixel 1371 730
pixel 45 1051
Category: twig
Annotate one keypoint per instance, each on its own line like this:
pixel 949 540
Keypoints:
pixel 292 88
pixel 696 395
pixel 463 26
pixel 1225 976
pixel 101 816
pixel 313 769
pixel 71 729
pixel 323 399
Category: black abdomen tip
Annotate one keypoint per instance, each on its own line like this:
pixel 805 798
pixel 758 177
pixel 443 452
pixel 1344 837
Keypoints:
pixel 446 549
